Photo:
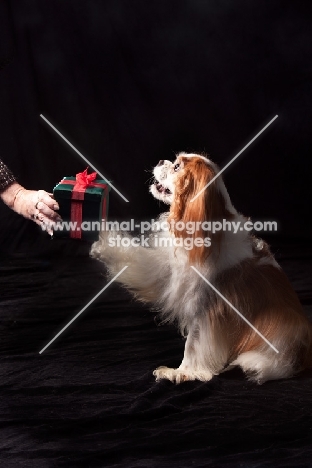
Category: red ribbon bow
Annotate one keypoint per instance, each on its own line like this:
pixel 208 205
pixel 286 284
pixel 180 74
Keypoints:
pixel 83 179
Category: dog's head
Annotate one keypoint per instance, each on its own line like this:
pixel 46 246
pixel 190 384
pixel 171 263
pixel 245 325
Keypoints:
pixel 196 193
pixel 185 177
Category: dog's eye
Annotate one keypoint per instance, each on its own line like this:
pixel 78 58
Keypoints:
pixel 176 167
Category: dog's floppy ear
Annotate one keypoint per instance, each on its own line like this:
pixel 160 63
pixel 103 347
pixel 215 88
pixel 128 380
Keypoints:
pixel 208 206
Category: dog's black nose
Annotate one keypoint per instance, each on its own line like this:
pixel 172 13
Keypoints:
pixel 161 162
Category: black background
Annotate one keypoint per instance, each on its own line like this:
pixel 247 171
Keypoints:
pixel 129 83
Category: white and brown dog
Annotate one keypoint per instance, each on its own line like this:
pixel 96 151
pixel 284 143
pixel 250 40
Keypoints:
pixel 275 339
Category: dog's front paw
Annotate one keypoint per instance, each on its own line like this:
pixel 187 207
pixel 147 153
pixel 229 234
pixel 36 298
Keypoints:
pixel 100 247
pixel 174 375
pixel 113 247
pixel 164 373
pixel 181 375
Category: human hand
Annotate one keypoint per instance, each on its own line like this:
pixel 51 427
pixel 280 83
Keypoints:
pixel 37 205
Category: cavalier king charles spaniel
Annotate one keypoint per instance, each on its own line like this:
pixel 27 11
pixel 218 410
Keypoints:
pixel 226 292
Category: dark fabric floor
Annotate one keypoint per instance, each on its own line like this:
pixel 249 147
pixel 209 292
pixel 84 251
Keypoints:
pixel 90 399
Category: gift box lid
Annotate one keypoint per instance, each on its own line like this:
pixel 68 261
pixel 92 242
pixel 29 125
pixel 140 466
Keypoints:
pixel 64 189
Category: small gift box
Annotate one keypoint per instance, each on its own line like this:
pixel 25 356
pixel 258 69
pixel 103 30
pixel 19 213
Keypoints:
pixel 83 202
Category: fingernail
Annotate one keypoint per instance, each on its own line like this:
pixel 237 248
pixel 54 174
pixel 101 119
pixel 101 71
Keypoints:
pixel 56 207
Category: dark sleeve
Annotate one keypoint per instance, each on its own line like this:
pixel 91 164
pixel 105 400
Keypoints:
pixel 6 176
